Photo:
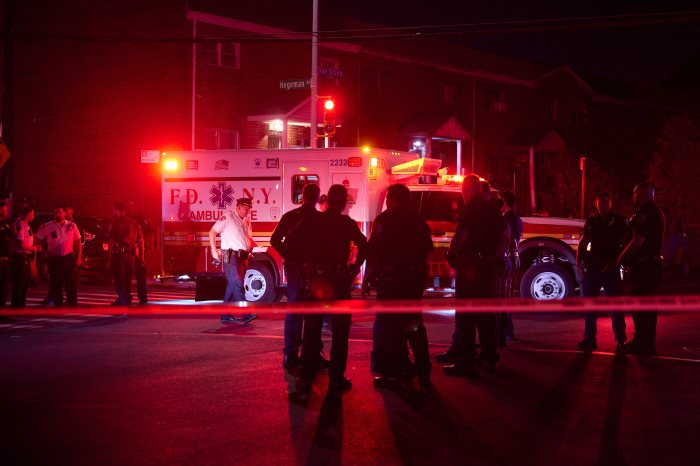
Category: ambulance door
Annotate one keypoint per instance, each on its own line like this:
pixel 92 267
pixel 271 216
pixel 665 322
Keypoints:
pixel 298 173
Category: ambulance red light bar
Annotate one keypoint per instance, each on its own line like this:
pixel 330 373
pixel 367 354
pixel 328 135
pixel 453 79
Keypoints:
pixel 354 162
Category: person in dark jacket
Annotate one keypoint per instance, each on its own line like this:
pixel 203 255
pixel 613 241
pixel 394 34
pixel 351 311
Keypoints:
pixel 643 256
pixel 396 262
pixel 480 241
pixel 293 269
pixel 515 226
pixel 326 239
pixel 600 245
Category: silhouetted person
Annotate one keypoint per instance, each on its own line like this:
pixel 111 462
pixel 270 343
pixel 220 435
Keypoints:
pixel 124 237
pixel 326 238
pixel 294 271
pixel 643 255
pixel 510 278
pixel 396 260
pixel 480 241
pixel 7 238
pixel 601 243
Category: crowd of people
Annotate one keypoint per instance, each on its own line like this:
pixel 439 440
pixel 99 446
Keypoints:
pixel 59 244
pixel 323 252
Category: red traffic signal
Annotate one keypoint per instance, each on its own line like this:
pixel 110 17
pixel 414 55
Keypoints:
pixel 329 117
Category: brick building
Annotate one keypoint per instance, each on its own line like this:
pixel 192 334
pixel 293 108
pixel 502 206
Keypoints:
pixel 88 85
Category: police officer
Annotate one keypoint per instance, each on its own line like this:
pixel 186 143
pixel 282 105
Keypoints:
pixel 140 266
pixel 600 245
pixel 236 244
pixel 515 228
pixel 293 269
pixel 643 256
pixel 396 260
pixel 65 256
pixel 480 240
pixel 22 256
pixel 326 238
pixel 124 236
pixel 6 244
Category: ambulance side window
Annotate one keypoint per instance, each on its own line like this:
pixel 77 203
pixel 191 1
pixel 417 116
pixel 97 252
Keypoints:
pixel 298 183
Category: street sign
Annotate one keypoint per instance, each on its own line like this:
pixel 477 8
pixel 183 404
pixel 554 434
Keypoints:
pixel 150 156
pixel 330 73
pixel 292 84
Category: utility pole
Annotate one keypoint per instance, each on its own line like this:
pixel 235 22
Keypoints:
pixel 582 166
pixel 313 137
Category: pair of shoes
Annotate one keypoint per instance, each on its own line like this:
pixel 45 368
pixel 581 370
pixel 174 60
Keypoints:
pixel 291 361
pixel 384 381
pixel 229 319
pixel 448 357
pixel 586 345
pixel 341 385
pixel 639 348
pixel 461 369
pixel 322 364
pixel 248 318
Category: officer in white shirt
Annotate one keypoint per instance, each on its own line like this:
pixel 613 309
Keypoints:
pixel 236 244
pixel 65 256
pixel 22 257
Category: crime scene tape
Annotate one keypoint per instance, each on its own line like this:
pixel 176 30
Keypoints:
pixel 662 303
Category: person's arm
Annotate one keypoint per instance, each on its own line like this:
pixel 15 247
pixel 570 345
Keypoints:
pixel 78 247
pixel 632 247
pixel 280 233
pixel 212 244
pixel 582 250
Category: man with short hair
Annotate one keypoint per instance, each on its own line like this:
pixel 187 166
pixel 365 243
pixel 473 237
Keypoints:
pixel 293 269
pixel 124 236
pixel 397 252
pixel 326 239
pixel 236 244
pixel 65 256
pixel 643 256
pixel 601 243
pixel 480 241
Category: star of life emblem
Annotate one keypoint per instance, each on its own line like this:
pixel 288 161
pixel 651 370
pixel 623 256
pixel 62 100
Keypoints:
pixel 221 195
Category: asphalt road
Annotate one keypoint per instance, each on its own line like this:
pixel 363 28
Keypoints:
pixel 189 390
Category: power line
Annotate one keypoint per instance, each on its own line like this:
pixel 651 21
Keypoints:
pixel 402 32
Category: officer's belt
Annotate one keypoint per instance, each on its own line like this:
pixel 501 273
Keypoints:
pixel 229 254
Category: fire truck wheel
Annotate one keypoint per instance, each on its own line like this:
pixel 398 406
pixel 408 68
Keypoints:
pixel 259 284
pixel 546 281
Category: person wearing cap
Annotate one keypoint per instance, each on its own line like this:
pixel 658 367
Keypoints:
pixel 124 237
pixel 236 244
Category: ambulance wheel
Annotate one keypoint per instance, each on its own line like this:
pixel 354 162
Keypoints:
pixel 259 284
pixel 546 282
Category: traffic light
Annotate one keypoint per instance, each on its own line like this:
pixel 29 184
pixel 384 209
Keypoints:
pixel 329 117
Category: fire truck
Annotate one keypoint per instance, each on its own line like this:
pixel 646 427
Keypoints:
pixel 201 186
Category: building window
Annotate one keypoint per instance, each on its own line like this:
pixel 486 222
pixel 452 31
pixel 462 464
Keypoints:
pixel 551 109
pixel 274 140
pixel 217 138
pixel 298 183
pixel 580 113
pixel 223 54
pixel 378 80
pixel 448 93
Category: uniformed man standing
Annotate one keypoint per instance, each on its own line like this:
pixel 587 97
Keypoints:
pixel 600 245
pixel 396 260
pixel 65 256
pixel 236 244
pixel 7 238
pixel 480 240
pixel 23 254
pixel 643 256
pixel 293 269
pixel 124 236
pixel 326 240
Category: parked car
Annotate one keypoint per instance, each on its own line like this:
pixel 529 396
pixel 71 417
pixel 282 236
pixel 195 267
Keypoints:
pixel 93 231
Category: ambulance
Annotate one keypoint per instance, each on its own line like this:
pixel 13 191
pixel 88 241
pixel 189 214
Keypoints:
pixel 201 186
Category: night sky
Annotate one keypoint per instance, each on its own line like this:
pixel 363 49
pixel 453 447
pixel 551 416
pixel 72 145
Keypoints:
pixel 646 53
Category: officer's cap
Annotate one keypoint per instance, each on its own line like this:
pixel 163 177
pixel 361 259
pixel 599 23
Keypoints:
pixel 246 201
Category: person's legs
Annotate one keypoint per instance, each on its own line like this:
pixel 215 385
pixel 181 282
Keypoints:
pixel 71 274
pixel 340 325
